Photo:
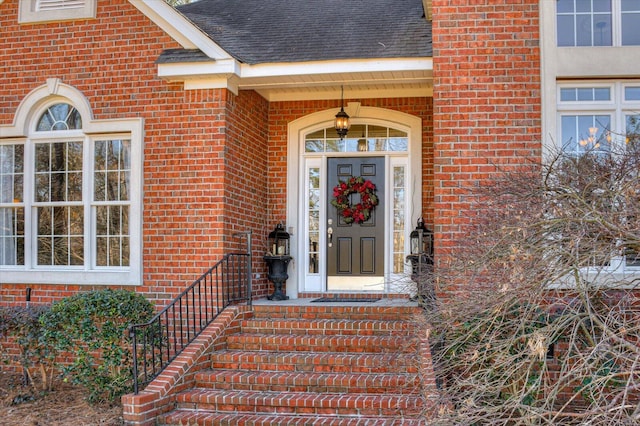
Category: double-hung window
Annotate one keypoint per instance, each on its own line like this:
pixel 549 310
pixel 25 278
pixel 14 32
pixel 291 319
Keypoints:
pixel 598 22
pixel 69 203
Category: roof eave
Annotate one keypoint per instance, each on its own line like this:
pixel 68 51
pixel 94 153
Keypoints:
pixel 391 77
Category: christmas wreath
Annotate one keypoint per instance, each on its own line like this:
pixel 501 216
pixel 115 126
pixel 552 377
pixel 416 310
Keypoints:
pixel 368 199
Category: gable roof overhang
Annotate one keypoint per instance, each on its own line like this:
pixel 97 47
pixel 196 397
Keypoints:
pixel 201 63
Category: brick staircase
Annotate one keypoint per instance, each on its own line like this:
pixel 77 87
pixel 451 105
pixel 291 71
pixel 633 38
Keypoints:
pixel 313 365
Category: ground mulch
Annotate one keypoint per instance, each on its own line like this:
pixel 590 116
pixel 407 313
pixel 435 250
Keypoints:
pixel 64 405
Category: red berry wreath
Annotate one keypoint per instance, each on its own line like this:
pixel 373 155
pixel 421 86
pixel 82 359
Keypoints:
pixel 361 212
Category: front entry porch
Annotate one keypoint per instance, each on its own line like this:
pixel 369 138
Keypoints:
pixel 331 251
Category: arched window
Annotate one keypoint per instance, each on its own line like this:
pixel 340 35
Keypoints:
pixel 70 200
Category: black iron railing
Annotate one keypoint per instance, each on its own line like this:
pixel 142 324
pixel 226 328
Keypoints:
pixel 158 342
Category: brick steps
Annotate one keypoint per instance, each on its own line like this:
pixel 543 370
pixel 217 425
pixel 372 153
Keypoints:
pixel 250 402
pixel 309 382
pixel 311 365
pixel 328 327
pixel 201 418
pixel 314 362
pixel 317 343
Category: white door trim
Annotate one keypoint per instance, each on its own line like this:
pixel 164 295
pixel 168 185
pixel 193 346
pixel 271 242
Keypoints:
pixel 295 172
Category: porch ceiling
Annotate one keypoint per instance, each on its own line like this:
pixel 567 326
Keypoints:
pixel 328 86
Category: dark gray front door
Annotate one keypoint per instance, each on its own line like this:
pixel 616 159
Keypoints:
pixel 355 251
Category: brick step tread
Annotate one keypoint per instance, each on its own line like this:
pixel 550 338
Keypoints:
pixel 328 311
pixel 309 382
pixel 329 327
pixel 324 362
pixel 318 343
pixel 301 402
pixel 206 418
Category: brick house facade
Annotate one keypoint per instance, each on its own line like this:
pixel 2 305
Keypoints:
pixel 216 133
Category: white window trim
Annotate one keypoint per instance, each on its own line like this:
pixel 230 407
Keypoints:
pixel 29 12
pixel 21 130
pixel 616 107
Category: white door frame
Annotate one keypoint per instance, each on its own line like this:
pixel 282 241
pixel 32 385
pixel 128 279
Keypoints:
pixel 295 181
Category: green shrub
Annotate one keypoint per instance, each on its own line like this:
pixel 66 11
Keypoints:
pixel 91 328
pixel 35 357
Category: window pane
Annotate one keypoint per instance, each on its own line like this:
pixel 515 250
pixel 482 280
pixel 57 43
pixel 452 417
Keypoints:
pixel 566 31
pixel 398 218
pixel 59 171
pixel 11 173
pixel 632 93
pixel 568 95
pixel 59 233
pixel 583 30
pixel 631 28
pixel 59 117
pixel 602 94
pixel 582 133
pixel 314 219
pixel 12 236
pixel 112 229
pixel 602 31
pixel 632 138
pixel 112 170
pixel 565 6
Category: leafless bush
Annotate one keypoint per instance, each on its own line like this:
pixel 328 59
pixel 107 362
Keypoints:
pixel 547 329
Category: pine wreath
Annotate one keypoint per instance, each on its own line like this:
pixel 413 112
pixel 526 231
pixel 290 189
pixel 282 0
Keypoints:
pixel 360 212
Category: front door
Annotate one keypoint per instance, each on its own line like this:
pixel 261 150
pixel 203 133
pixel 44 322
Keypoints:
pixel 355 251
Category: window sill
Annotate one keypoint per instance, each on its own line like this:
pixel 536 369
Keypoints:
pixel 50 276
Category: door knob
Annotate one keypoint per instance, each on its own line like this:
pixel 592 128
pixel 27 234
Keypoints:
pixel 330 236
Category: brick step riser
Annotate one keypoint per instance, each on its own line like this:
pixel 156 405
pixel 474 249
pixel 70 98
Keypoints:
pixel 306 382
pixel 305 343
pixel 329 328
pixel 314 363
pixel 358 313
pixel 278 402
pixel 194 418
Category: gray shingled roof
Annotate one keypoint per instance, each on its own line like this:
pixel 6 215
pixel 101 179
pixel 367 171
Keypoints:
pixel 261 31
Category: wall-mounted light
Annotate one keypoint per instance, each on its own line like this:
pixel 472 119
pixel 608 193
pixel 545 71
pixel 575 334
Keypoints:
pixel 342 119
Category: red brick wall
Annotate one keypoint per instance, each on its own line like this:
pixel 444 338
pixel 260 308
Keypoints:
pixel 281 113
pixel 192 138
pixel 245 203
pixel 486 102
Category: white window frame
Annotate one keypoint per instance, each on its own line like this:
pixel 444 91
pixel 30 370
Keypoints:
pixel 31 11
pixel 616 27
pixel 23 131
pixel 618 108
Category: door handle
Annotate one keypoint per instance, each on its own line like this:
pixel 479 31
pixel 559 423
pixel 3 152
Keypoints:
pixel 330 236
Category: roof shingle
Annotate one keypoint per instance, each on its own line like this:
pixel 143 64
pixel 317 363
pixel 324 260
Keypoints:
pixel 268 31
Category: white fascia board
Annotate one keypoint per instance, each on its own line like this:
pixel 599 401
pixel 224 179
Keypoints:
pixel 336 67
pixel 179 28
pixel 180 71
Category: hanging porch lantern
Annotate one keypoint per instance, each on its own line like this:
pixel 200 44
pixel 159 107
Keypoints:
pixel 341 123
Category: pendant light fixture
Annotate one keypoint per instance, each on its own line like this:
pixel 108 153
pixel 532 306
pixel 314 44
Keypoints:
pixel 342 119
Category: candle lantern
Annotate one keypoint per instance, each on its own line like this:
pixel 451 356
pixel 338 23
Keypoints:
pixel 278 259
pixel 421 258
pixel 421 240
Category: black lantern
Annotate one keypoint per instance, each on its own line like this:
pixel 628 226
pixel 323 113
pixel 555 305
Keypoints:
pixel 421 240
pixel 279 241
pixel 341 123
pixel 278 260
pixel 421 258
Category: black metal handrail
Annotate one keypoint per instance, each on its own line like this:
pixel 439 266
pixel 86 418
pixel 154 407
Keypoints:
pixel 157 343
